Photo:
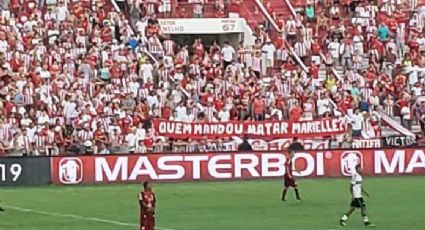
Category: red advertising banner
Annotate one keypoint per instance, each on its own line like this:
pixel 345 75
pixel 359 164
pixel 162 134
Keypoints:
pixel 233 166
pixel 264 129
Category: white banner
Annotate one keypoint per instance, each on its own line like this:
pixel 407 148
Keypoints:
pixel 201 26
pixel 366 143
pixel 276 144
pixel 400 141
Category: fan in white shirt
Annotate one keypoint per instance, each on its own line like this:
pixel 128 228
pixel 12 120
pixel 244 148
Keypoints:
pixel 131 140
pixel 141 132
pixel 181 112
pixel 333 47
pixel 141 26
pixel 146 71
pixel 417 90
pixel 269 49
pixel 152 100
pixel 3 46
pixel 134 87
pixel 103 150
pixel 278 113
pixel 43 119
pixel 357 121
pixel 224 115
pixel 227 51
pixel 114 128
pixel 26 121
pixel 421 41
pixel 62 12
pixel 68 107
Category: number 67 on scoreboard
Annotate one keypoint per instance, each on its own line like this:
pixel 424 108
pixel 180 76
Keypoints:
pixel 228 27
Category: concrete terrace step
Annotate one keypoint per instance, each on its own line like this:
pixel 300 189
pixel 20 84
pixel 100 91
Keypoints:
pixel 248 11
pixel 281 8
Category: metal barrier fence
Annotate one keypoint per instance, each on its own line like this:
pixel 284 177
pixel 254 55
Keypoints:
pixel 180 146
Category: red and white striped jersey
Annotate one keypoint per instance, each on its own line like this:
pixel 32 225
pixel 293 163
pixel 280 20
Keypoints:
pixel 105 122
pixel 155 46
pixel 40 141
pixel 162 95
pixel 5 132
pixel 28 96
pixel 116 139
pixel 291 102
pixel 84 135
pixel 164 74
pixel 300 49
pixel 70 67
pixel 198 7
pixel 346 85
pixel 183 56
pixel 143 93
pixel 226 86
pixel 256 64
pixel 150 7
pixel 11 121
pixel 57 118
pixel 169 47
pixel 366 93
pixel 50 137
pixel 200 83
pixel 195 69
pixel 26 59
pixel 209 113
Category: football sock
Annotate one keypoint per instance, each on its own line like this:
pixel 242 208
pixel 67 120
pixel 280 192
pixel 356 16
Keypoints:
pixel 297 194
pixel 365 219
pixel 344 217
pixel 284 194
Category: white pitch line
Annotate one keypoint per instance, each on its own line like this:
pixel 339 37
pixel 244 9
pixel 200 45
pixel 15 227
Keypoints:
pixel 94 219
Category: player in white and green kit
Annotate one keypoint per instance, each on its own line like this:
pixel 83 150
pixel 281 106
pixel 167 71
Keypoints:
pixel 357 201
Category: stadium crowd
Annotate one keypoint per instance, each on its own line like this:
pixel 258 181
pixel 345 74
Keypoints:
pixel 81 77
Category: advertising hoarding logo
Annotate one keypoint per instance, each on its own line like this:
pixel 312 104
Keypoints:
pixel 349 160
pixel 229 166
pixel 70 170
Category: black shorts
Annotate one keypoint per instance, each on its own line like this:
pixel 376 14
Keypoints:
pixel 358 203
pixel 225 64
pixel 290 182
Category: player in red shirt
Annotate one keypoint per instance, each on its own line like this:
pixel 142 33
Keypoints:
pixel 289 180
pixel 147 203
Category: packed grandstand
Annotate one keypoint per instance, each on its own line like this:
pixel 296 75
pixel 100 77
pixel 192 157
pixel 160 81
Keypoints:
pixel 105 76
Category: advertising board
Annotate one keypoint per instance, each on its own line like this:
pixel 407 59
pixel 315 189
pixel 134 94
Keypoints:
pixel 201 25
pixel 25 171
pixel 233 166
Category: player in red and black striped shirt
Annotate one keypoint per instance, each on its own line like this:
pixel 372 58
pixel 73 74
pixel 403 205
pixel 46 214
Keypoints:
pixel 289 180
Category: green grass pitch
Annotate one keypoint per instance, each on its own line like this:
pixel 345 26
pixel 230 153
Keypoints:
pixel 395 203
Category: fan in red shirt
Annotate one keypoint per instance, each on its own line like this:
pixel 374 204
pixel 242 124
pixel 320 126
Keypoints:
pixel 314 71
pixel 413 46
pixel 147 203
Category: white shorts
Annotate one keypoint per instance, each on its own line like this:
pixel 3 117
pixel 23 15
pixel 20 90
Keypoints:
pixel 269 63
pixel 315 59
